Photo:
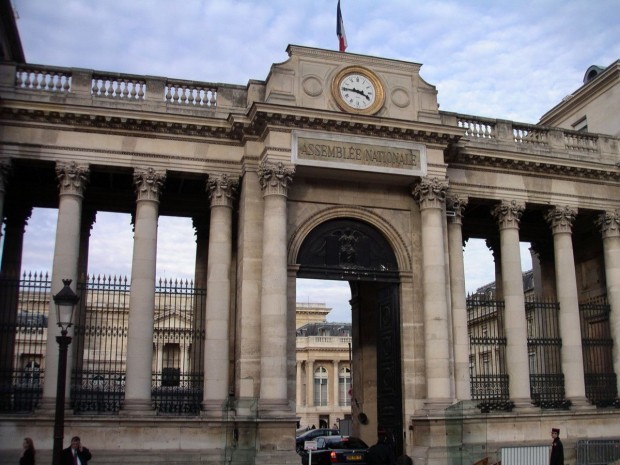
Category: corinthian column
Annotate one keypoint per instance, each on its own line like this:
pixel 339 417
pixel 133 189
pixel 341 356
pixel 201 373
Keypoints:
pixel 508 215
pixel 72 180
pixel 609 224
pixel 274 180
pixel 430 194
pixel 148 184
pixel 222 191
pixel 561 222
pixel 458 298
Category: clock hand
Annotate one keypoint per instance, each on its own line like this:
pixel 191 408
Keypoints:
pixel 357 91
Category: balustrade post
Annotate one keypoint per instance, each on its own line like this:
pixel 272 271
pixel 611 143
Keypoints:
pixel 155 88
pixel 81 83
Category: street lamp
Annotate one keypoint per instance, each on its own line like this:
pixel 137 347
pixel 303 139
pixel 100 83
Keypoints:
pixel 65 302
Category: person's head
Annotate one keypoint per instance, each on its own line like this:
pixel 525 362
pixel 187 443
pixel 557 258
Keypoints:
pixel 75 442
pixel 555 433
pixel 28 444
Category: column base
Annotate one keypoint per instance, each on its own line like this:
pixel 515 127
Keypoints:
pixel 217 409
pixel 134 407
pixel 524 405
pixel 581 403
pixel 275 408
pixel 437 406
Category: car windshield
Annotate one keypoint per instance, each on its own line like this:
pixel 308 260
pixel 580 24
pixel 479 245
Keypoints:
pixel 347 443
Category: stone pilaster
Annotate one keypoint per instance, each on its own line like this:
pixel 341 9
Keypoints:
pixel 560 220
pixel 72 181
pixel 508 216
pixel 430 194
pixel 298 383
pixel 309 383
pixel 457 293
pixel 335 384
pixel 274 181
pixel 222 190
pixel 148 184
pixel 609 224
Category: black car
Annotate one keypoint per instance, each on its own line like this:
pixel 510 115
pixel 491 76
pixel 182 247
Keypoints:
pixel 337 450
pixel 310 435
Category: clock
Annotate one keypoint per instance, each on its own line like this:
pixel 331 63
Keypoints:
pixel 358 90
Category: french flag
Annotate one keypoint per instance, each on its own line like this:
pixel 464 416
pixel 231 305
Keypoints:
pixel 342 36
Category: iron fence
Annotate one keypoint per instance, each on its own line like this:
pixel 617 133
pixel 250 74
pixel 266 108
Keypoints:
pixel 598 451
pixel 544 346
pixel 99 345
pixel 178 347
pixel 487 354
pixel 597 345
pixel 24 307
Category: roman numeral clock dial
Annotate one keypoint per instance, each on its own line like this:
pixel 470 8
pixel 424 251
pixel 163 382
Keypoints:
pixel 358 90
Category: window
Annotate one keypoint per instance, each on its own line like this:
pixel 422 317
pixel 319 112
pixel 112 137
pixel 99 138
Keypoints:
pixel 581 125
pixel 320 386
pixel 344 387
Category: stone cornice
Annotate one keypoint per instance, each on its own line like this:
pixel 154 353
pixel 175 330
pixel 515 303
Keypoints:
pixel 109 123
pixel 263 116
pixel 559 168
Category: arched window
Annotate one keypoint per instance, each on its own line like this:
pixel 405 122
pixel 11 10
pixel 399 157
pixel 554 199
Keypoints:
pixel 320 386
pixel 344 387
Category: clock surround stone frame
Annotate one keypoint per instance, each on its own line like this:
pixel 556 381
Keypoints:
pixel 372 77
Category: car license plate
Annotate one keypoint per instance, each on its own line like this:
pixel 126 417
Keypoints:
pixel 354 458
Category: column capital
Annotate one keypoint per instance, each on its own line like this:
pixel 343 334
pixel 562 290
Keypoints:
pixel 508 214
pixel 5 172
pixel 430 192
pixel 72 178
pixel 561 219
pixel 609 223
pixel 222 190
pixel 456 204
pixel 148 183
pixel 275 178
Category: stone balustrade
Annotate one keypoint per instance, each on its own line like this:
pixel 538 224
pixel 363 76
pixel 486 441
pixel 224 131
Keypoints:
pixel 524 138
pixel 335 342
pixel 40 82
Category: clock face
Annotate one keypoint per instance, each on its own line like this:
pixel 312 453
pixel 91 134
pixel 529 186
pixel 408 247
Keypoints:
pixel 358 90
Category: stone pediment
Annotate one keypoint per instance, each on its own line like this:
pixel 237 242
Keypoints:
pixel 306 80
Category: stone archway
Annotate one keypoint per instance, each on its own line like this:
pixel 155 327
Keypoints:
pixel 352 250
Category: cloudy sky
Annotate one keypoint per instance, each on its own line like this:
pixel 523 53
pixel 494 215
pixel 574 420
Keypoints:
pixel 502 59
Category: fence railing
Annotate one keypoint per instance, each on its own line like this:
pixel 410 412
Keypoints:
pixel 598 451
pixel 100 345
pixel 23 335
pixel 597 346
pixel 487 354
pixel 544 346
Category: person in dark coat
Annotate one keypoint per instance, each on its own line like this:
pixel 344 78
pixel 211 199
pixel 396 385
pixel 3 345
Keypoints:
pixel 381 453
pixel 557 449
pixel 75 454
pixel 27 457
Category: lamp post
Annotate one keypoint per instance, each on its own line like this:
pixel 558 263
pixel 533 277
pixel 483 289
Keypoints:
pixel 65 302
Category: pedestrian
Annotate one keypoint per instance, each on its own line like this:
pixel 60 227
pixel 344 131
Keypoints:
pixel 76 453
pixel 382 452
pixel 27 457
pixel 404 460
pixel 556 457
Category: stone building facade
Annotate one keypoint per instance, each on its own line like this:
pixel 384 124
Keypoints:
pixel 336 166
